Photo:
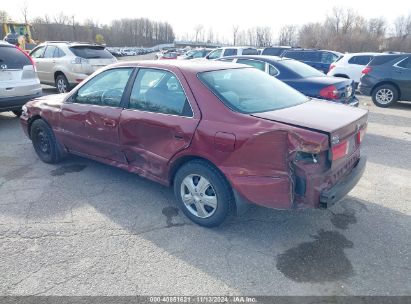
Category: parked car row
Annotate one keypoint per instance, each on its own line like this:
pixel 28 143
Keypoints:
pixel 133 51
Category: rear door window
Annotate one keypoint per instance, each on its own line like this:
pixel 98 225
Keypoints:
pixel 91 52
pixel 11 58
pixel 230 52
pixel 49 53
pixel 159 91
pixel 360 60
pixel 58 53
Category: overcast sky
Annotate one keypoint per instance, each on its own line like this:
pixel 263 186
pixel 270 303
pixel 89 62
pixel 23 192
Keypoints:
pixel 184 15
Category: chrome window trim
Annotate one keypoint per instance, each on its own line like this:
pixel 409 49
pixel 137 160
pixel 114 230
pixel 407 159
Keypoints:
pixel 397 63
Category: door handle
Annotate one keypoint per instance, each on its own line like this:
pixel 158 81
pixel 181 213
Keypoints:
pixel 109 122
pixel 179 136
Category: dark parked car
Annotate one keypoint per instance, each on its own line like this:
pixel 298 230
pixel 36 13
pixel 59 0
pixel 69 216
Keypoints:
pixel 222 134
pixel 198 53
pixel 387 78
pixel 302 77
pixel 319 59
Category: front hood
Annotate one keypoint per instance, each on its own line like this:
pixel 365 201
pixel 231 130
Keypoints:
pixel 320 115
pixel 49 100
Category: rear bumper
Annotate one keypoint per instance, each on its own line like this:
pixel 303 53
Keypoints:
pixel 15 103
pixel 365 90
pixel 343 187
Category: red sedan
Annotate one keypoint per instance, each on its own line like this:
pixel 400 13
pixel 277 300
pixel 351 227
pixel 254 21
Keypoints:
pixel 223 135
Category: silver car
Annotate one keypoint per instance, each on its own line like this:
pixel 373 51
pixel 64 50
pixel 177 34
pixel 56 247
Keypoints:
pixel 66 64
pixel 18 79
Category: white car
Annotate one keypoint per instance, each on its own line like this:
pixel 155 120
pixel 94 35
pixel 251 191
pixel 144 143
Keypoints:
pixel 232 51
pixel 351 65
pixel 18 79
pixel 65 64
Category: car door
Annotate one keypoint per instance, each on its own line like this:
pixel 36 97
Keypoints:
pixel 48 64
pixel 402 74
pixel 37 55
pixel 159 121
pixel 89 120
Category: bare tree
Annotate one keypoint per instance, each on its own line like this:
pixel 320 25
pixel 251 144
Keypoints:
pixel 288 35
pixel 198 29
pixel 4 16
pixel 25 12
pixel 235 33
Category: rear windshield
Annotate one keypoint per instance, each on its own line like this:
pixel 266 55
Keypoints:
pixel 382 59
pixel 12 58
pixel 250 51
pixel 90 52
pixel 249 90
pixel 301 69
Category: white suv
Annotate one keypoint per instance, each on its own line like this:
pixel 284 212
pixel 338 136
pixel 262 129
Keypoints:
pixel 66 64
pixel 351 65
pixel 18 79
pixel 231 51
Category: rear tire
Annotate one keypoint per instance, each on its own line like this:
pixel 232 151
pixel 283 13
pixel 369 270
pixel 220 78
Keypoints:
pixel 44 142
pixel 18 112
pixel 62 84
pixel 385 95
pixel 203 193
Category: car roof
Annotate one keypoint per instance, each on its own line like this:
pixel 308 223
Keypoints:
pixel 191 66
pixel 362 53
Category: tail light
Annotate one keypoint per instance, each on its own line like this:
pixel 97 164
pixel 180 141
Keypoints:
pixel 360 135
pixel 331 67
pixel 28 56
pixel 329 92
pixel 340 150
pixel 366 70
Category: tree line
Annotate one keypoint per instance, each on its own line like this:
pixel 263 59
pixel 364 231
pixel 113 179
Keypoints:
pixel 342 30
pixel 121 32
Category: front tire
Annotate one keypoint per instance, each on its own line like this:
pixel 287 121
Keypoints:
pixel 62 84
pixel 44 142
pixel 203 193
pixel 385 95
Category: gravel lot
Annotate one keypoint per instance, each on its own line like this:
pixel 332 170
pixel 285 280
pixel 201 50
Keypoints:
pixel 84 228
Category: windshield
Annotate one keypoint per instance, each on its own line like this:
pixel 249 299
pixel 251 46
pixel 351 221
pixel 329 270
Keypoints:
pixel 301 69
pixel 91 52
pixel 249 90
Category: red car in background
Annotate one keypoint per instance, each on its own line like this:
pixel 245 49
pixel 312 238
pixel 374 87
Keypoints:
pixel 223 135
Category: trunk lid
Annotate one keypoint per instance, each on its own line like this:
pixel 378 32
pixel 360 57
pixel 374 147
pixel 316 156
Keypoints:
pixel 337 120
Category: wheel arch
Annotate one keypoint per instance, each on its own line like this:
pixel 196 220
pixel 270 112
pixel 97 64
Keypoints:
pixel 389 83
pixel 56 73
pixel 184 159
pixel 341 75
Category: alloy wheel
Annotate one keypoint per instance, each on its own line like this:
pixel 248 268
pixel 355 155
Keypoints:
pixel 384 96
